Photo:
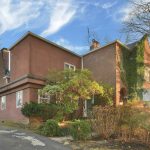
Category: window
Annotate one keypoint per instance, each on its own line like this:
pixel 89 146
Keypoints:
pixel 147 74
pixel 19 99
pixel 3 102
pixel 146 95
pixel 69 66
pixel 44 98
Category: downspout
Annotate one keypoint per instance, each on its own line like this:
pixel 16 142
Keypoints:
pixel 85 102
pixel 82 63
pixel 9 60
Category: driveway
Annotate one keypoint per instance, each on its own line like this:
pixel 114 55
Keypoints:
pixel 16 139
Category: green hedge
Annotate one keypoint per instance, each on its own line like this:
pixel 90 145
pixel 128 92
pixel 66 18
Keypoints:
pixel 43 110
pixel 50 128
pixel 80 130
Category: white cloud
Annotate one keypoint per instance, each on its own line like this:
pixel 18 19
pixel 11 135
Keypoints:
pixel 77 49
pixel 57 13
pixel 14 15
pixel 62 13
pixel 108 5
pixel 124 13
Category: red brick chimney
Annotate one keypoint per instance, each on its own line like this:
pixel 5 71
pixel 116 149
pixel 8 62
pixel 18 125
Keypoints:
pixel 95 44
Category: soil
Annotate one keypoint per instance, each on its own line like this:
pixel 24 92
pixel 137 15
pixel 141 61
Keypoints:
pixel 108 145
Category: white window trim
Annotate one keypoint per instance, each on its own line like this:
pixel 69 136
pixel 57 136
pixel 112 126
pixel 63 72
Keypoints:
pixel 21 98
pixel 1 102
pixel 85 109
pixel 70 65
pixel 146 95
pixel 45 97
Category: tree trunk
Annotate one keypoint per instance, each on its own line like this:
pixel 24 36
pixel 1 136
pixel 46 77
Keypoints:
pixel 79 112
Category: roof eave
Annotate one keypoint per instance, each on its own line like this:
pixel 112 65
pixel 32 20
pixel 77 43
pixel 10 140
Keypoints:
pixel 43 39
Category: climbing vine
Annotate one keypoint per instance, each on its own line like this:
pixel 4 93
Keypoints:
pixel 132 69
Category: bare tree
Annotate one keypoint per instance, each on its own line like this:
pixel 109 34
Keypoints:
pixel 138 22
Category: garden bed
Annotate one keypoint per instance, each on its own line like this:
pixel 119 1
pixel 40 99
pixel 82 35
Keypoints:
pixel 108 145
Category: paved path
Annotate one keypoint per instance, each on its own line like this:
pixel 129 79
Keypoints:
pixel 14 139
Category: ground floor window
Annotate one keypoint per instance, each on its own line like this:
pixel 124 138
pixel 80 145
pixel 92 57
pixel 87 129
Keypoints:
pixel 3 102
pixel 146 95
pixel 44 98
pixel 19 99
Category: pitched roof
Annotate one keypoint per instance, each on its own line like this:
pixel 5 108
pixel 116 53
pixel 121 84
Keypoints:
pixel 116 41
pixel 43 39
pixel 132 45
pixel 128 46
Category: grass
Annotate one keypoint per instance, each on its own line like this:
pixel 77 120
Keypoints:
pixel 16 125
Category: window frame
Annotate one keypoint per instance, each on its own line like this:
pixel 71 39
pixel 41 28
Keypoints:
pixel 43 98
pixel 70 65
pixel 4 101
pixel 21 96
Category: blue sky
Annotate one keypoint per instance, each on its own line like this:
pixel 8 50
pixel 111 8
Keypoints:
pixel 63 21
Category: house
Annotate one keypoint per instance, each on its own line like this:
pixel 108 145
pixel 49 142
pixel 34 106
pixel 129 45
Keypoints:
pixel 24 66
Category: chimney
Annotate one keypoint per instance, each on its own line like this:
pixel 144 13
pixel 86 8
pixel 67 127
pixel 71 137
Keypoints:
pixel 5 53
pixel 95 44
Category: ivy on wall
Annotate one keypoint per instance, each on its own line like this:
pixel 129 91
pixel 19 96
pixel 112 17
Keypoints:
pixel 132 69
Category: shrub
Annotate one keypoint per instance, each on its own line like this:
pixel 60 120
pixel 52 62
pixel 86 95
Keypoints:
pixel 64 131
pixel 80 130
pixel 49 111
pixel 126 122
pixel 43 110
pixel 49 128
pixel 106 98
pixel 31 109
pixel 104 120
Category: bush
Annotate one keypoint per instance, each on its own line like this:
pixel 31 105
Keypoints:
pixel 106 98
pixel 43 110
pixel 31 109
pixel 64 131
pixel 104 121
pixel 49 128
pixel 80 130
pixel 126 122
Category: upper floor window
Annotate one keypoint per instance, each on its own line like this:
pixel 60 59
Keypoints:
pixel 3 102
pixel 147 74
pixel 19 99
pixel 69 66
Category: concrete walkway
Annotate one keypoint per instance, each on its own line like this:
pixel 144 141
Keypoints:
pixel 16 139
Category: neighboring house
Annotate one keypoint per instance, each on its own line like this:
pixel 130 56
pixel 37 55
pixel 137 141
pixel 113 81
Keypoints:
pixel 24 66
